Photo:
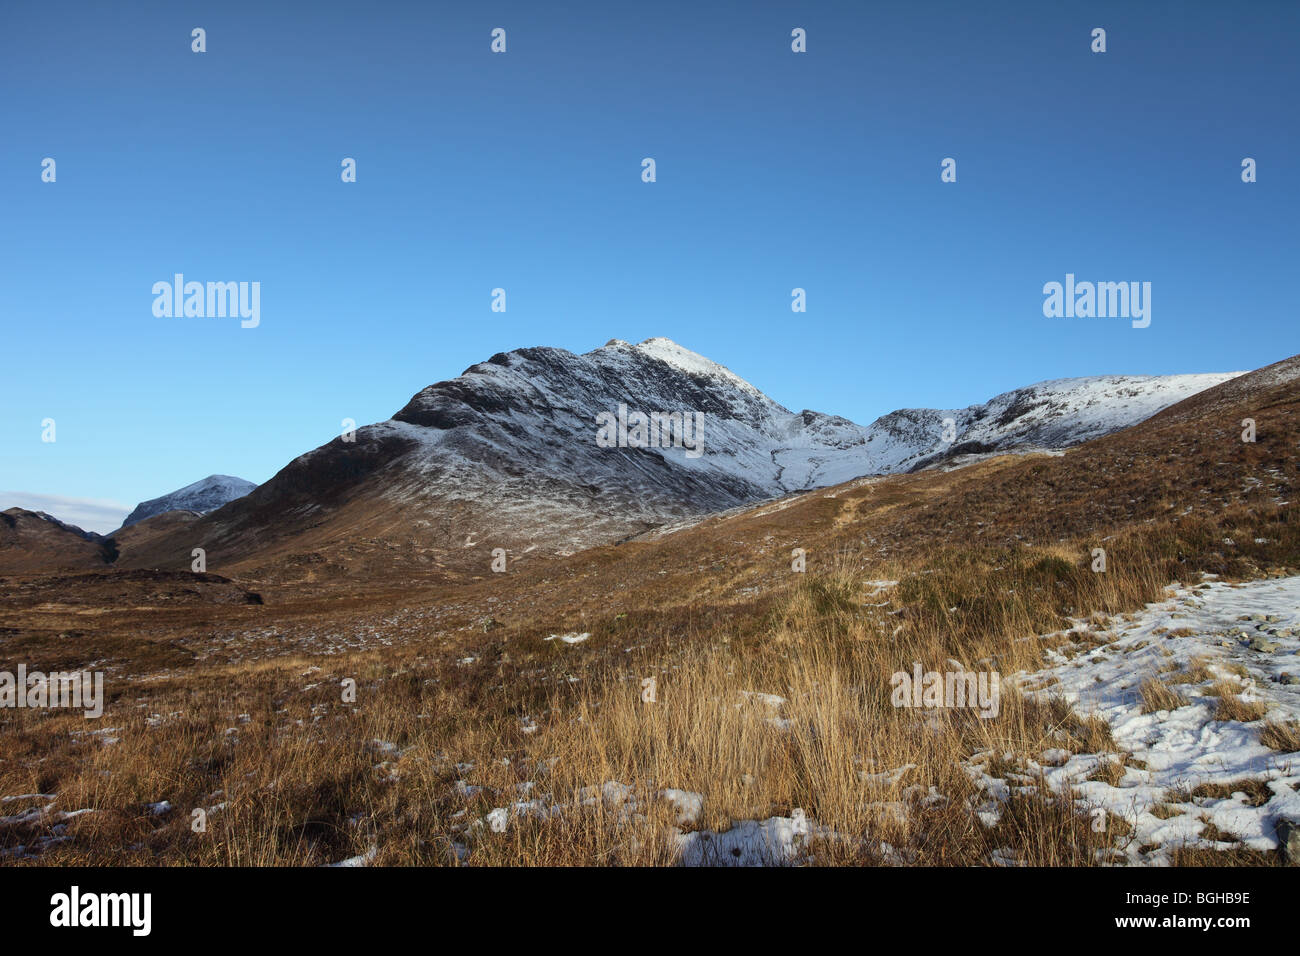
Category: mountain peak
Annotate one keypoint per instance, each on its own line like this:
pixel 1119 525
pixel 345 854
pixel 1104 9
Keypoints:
pixel 681 358
pixel 206 494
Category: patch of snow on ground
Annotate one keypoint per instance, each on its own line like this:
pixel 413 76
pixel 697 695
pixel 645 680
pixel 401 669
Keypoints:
pixel 775 841
pixel 1248 635
pixel 568 638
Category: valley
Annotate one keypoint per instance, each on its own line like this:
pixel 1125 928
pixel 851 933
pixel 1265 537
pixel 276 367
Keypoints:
pixel 479 735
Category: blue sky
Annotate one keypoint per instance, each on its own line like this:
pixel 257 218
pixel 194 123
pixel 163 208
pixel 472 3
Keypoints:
pixel 523 171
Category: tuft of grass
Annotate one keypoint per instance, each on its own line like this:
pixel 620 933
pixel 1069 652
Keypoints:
pixel 1158 695
pixel 1110 770
pixel 1233 707
pixel 1283 736
pixel 1197 672
pixel 1256 791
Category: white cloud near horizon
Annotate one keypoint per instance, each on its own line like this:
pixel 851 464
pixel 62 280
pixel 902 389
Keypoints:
pixel 89 514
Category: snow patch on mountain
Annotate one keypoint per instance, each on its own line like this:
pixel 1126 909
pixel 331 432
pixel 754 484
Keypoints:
pixel 202 496
pixel 1052 414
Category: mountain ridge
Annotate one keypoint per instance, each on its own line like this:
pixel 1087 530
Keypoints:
pixel 507 454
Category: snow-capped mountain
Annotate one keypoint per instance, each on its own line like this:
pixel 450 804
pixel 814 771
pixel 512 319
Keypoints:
pixel 1053 414
pixel 510 453
pixel 752 446
pixel 203 496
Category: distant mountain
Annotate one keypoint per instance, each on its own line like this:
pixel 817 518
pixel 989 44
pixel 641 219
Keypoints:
pixel 508 455
pixel 201 497
pixel 34 540
pixel 1049 415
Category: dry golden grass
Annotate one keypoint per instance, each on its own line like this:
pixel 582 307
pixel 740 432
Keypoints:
pixel 1158 696
pixel 1197 672
pixel 1232 706
pixel 1281 736
pixel 1257 791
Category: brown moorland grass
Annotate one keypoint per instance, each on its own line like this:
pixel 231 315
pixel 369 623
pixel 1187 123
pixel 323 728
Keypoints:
pixel 303 778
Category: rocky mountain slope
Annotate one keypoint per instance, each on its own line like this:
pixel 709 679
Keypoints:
pixel 511 454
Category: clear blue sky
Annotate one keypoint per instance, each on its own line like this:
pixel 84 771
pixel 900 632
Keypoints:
pixel 522 170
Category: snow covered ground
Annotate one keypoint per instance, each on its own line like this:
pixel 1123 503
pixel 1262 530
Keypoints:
pixel 1247 635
